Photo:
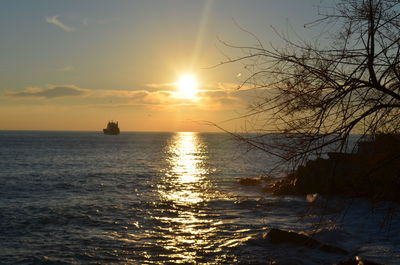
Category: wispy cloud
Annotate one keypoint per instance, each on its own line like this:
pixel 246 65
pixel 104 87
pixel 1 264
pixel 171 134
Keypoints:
pixel 213 98
pixel 50 92
pixel 66 68
pixel 212 86
pixel 55 21
pixel 160 85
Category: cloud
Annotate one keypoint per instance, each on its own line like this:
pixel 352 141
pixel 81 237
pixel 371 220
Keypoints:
pixel 55 21
pixel 217 96
pixel 214 97
pixel 160 85
pixel 50 92
pixel 66 68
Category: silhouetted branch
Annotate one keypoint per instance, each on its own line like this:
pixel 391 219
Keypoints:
pixel 317 97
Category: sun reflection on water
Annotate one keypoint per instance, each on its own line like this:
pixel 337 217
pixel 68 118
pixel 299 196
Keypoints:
pixel 182 222
pixel 186 187
pixel 186 173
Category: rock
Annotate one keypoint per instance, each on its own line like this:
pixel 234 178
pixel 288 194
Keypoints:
pixel 250 181
pixel 333 249
pixel 358 261
pixel 277 236
pixel 371 175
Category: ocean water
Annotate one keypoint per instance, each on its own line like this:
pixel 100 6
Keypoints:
pixel 165 198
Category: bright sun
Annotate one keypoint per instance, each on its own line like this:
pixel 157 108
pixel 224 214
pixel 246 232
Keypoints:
pixel 187 85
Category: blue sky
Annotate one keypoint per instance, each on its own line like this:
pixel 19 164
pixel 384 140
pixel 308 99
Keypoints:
pixel 85 50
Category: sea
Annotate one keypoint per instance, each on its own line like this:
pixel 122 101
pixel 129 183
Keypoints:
pixel 168 198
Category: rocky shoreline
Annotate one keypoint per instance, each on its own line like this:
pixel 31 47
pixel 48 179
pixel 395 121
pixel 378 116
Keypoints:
pixel 374 176
pixel 277 236
pixel 373 172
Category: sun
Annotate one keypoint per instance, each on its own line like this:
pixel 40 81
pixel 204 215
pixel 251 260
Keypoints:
pixel 187 86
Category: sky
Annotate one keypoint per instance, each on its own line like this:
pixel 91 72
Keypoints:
pixel 75 65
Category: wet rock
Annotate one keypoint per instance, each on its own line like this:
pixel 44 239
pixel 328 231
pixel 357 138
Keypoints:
pixel 372 175
pixel 250 181
pixel 358 261
pixel 277 236
pixel 333 249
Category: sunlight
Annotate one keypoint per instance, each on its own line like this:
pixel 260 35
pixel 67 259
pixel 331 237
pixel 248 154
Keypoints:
pixel 184 188
pixel 186 182
pixel 187 85
pixel 186 173
pixel 187 167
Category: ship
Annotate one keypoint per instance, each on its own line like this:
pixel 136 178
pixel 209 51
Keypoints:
pixel 112 128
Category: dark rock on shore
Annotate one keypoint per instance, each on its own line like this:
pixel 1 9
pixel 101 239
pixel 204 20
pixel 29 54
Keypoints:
pixel 264 183
pixel 372 172
pixel 289 247
pixel 358 261
pixel 250 181
pixel 277 236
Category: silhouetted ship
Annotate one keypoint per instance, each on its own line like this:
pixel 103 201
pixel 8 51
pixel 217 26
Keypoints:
pixel 112 128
